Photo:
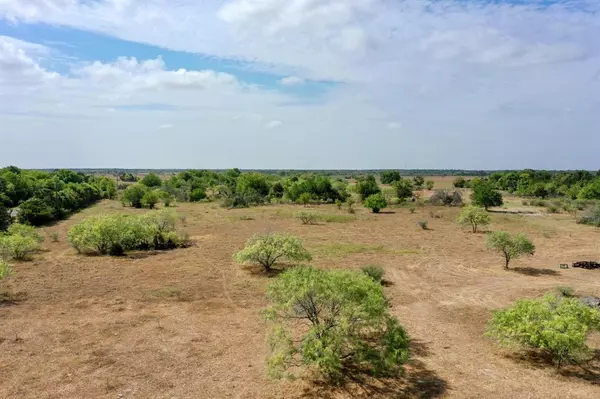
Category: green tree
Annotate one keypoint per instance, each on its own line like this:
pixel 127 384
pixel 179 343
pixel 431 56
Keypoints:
pixel 460 182
pixel 132 196
pixel 484 195
pixel 332 321
pixel 590 191
pixel 418 181
pixel 151 180
pixel 511 247
pixel 390 176
pixel 36 211
pixel 367 186
pixel 268 249
pixel 5 219
pixel 558 326
pixel 404 189
pixel 376 202
pixel 473 216
pixel 429 184
pixel 150 199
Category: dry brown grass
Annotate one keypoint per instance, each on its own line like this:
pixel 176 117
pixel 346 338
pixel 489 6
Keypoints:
pixel 185 324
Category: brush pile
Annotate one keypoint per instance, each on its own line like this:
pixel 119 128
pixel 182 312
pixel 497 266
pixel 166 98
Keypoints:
pixel 587 265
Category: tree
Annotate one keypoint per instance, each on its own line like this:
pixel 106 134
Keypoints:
pixel 558 326
pixel 150 199
pixel 473 216
pixel 367 186
pixel 390 176
pixel 590 191
pixel 5 219
pixel 484 195
pixel 270 248
pixel 403 189
pixel 376 202
pixel 460 182
pixel 198 194
pixel 36 211
pixel 510 247
pixel 332 321
pixel 151 180
pixel 418 181
pixel 429 184
pixel 132 196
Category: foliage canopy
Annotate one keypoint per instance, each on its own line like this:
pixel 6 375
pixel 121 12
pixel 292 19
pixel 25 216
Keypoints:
pixel 511 247
pixel 270 248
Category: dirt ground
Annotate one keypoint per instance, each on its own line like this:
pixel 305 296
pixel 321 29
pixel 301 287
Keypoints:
pixel 185 323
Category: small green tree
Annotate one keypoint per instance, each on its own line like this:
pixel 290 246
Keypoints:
pixel 270 248
pixel 558 326
pixel 347 324
pixel 390 176
pixel 304 199
pixel 460 182
pixel 510 247
pixel 404 189
pixel 484 195
pixel 473 216
pixel 150 199
pixel 151 180
pixel 132 196
pixel 367 186
pixel 429 184
pixel 376 202
pixel 418 181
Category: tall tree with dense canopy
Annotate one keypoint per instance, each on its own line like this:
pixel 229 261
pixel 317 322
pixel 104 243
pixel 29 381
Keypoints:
pixel 367 186
pixel 331 321
pixel 390 176
pixel 151 180
pixel 485 195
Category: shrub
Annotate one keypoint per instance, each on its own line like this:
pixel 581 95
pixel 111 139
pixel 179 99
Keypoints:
pixel 418 182
pixel 390 176
pixel 429 184
pixel 412 209
pixel 5 269
pixel 590 217
pixel 36 211
pixel 339 204
pixel 374 272
pixel 197 194
pixel 376 202
pixel 511 247
pixel 132 196
pixel 24 230
pixel 268 249
pixel 525 203
pixel 553 209
pixel 304 199
pixel 151 180
pixel 484 195
pixel 404 189
pixel 54 236
pixel 17 246
pixel 424 224
pixel 445 197
pixel 150 199
pixel 554 325
pixel 367 186
pixel 347 319
pixel 565 291
pixel 307 217
pixel 460 182
pixel 473 216
pixel 350 203
pixel 5 219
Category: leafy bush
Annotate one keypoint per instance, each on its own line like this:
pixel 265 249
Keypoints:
pixel 150 199
pixel 418 182
pixel 116 234
pixel 24 230
pixel 17 246
pixel 307 217
pixel 403 188
pixel 565 291
pixel 552 209
pixel 270 248
pixel 36 211
pixel 5 269
pixel 376 202
pixel 424 224
pixel 133 195
pixel 390 176
pixel 375 272
pixel 304 199
pixel 555 325
pixel 198 194
pixel 151 180
pixel 484 195
pixel 429 184
pixel 473 216
pixel 348 324
pixel 590 217
pixel 412 209
pixel 460 182
pixel 446 198
pixel 339 204
pixel 511 247
pixel 367 186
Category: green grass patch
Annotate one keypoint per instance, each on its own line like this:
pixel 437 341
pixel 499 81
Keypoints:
pixel 333 218
pixel 346 249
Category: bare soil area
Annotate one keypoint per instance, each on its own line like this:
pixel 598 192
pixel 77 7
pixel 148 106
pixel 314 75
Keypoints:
pixel 186 324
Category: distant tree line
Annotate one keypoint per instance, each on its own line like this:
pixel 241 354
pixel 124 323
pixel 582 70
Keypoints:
pixel 41 197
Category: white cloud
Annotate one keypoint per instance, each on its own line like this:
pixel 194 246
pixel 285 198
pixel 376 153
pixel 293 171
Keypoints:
pixel 291 81
pixel 165 126
pixel 19 63
pixel 273 124
pixel 394 125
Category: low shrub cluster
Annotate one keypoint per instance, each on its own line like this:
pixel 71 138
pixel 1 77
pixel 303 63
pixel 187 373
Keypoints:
pixel 19 242
pixel 116 234
pixel 590 217
pixel 446 197
pixel 375 272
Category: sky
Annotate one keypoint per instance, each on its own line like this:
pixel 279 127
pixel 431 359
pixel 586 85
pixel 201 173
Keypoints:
pixel 300 84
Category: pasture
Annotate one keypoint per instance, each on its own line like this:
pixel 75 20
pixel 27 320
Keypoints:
pixel 186 323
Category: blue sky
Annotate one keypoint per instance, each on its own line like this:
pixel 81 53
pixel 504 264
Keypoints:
pixel 295 84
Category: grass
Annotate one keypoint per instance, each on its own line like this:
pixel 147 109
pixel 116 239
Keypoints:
pixel 168 292
pixel 346 249
pixel 333 218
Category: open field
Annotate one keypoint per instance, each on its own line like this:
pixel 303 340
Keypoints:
pixel 185 324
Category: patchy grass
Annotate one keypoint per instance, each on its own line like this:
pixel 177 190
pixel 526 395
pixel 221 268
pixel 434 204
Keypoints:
pixel 333 218
pixel 175 292
pixel 346 249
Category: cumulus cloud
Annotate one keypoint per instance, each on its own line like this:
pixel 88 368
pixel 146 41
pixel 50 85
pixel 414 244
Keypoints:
pixel 19 63
pixel 291 81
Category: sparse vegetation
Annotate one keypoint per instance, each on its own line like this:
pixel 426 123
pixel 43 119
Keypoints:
pixel 348 325
pixel 5 269
pixel 558 326
pixel 54 236
pixel 511 247
pixel 271 248
pixel 473 216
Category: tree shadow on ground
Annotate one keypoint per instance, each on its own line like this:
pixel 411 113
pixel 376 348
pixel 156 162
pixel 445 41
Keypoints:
pixel 386 212
pixel 416 382
pixel 588 370
pixel 532 271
